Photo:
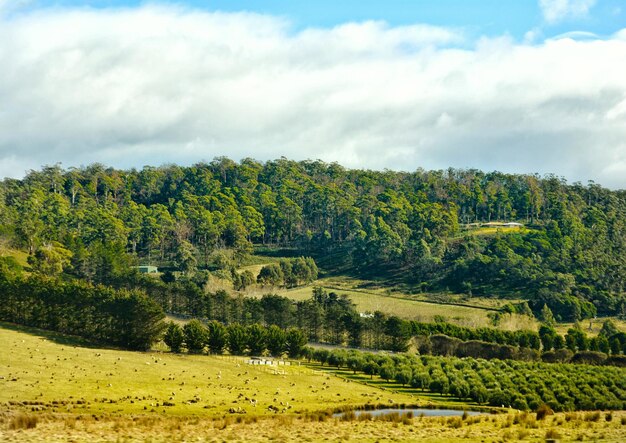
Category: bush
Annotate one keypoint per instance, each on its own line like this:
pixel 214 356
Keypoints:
pixel 23 421
pixel 589 357
pixel 560 356
pixel 616 360
pixel 543 411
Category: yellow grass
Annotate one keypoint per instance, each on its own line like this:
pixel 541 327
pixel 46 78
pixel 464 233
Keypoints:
pixel 591 326
pixel 411 307
pixel 493 230
pixel 39 373
pixel 510 427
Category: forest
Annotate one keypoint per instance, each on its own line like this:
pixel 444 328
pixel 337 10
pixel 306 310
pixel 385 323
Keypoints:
pixel 96 223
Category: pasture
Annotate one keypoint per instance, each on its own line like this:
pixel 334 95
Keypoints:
pixel 46 372
pixel 412 307
pixel 58 389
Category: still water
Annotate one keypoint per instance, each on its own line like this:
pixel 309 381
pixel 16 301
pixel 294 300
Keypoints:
pixel 415 412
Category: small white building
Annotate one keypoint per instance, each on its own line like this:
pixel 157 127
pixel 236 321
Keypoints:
pixel 263 361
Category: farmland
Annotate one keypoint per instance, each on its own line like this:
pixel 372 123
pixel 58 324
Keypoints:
pixel 415 307
pixel 47 372
pixel 61 389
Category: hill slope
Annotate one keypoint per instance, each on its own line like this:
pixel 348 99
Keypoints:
pixel 53 373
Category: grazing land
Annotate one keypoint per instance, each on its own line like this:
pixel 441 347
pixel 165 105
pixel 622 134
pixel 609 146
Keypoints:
pixel 46 372
pixel 261 258
pixel 56 388
pixel 414 307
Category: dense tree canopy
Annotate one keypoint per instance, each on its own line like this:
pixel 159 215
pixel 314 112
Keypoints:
pixel 96 222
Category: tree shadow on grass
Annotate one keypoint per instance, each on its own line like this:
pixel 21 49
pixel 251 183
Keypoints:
pixel 57 337
pixel 435 400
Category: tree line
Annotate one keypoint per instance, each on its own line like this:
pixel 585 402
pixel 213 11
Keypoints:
pixel 333 318
pixel 216 338
pixel 95 222
pixel 125 318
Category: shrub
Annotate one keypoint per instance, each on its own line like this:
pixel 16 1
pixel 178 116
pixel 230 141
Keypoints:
pixel 23 421
pixel 589 357
pixel 543 411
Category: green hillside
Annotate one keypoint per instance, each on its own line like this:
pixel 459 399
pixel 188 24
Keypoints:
pixel 485 234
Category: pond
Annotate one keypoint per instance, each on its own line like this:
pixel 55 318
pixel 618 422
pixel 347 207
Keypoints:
pixel 416 412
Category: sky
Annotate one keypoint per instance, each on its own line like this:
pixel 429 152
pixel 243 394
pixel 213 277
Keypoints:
pixel 518 86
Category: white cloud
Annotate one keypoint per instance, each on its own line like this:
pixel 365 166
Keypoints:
pixel 557 10
pixel 156 84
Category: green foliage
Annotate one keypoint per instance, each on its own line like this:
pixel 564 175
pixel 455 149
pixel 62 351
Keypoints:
pixel 387 371
pixel 289 272
pixel 271 274
pixel 546 316
pixel 242 280
pixel 174 337
pixel 195 336
pixel 237 339
pixel 516 384
pixel 295 342
pixel 9 267
pixel 126 318
pixel 217 338
pixel 608 329
pixel 576 340
pixel 276 341
pixel 256 339
pixel 548 337
pixel 419 227
pixel 399 332
pixel 50 259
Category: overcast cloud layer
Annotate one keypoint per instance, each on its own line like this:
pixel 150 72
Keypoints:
pixel 159 84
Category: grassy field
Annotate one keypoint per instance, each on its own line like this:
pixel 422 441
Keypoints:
pixel 591 326
pixel 492 230
pixel 370 296
pixel 412 307
pixel 46 372
pixel 57 389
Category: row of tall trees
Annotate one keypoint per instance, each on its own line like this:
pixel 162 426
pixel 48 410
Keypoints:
pixel 333 318
pixel 440 344
pixel 570 258
pixel 125 318
pixel 217 338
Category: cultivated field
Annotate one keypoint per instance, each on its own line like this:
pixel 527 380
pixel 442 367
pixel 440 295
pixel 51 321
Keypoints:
pixel 55 389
